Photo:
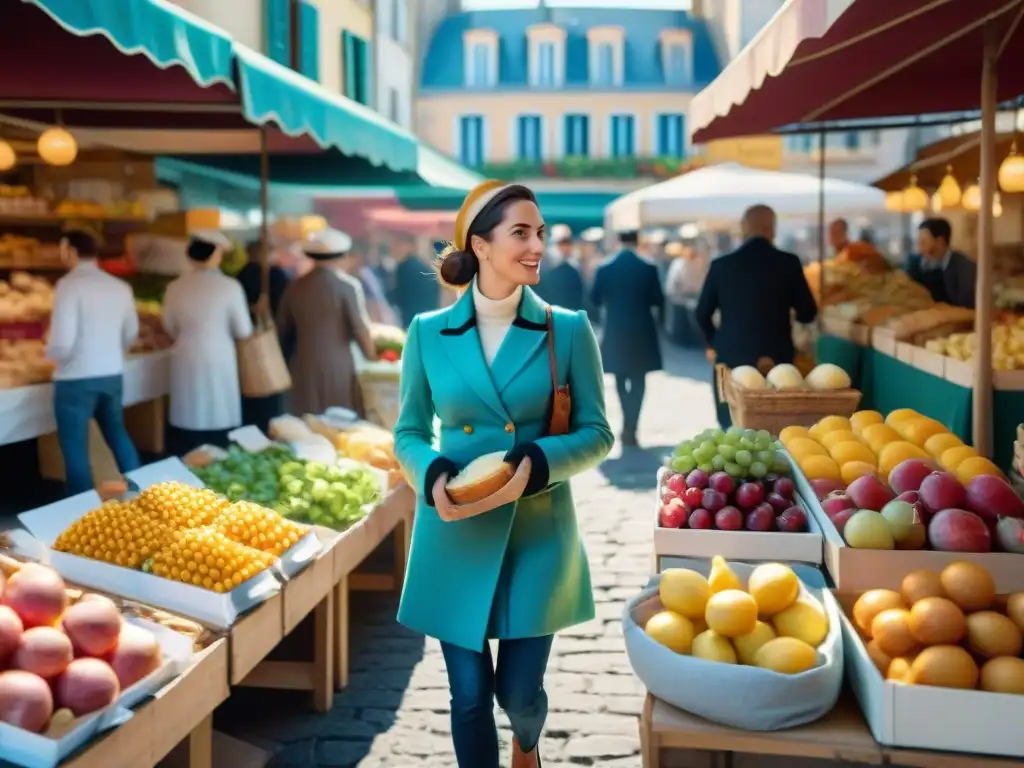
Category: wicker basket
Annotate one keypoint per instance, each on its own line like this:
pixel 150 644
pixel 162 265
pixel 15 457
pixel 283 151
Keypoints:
pixel 262 369
pixel 775 409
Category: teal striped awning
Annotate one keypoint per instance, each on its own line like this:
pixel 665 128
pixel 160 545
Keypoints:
pixel 161 31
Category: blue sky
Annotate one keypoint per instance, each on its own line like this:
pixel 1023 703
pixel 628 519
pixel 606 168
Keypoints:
pixel 488 5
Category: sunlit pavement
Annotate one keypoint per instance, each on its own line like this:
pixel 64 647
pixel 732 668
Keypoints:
pixel 395 712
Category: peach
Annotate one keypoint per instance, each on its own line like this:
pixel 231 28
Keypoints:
pixel 36 593
pixel 137 654
pixel 25 701
pixel 86 686
pixel 93 626
pixel 11 630
pixel 43 651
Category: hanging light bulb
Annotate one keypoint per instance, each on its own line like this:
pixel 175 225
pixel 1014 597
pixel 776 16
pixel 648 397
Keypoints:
pixel 8 157
pixel 971 200
pixel 894 202
pixel 1011 172
pixel 914 198
pixel 57 147
pixel 937 203
pixel 997 205
pixel 949 190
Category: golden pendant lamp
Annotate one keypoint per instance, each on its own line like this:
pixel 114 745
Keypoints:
pixel 1011 172
pixel 972 201
pixel 57 146
pixel 915 198
pixel 949 191
pixel 8 157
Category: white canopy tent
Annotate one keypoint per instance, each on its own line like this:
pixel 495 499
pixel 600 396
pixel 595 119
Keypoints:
pixel 719 194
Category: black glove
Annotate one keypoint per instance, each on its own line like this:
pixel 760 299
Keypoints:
pixel 539 472
pixel 439 466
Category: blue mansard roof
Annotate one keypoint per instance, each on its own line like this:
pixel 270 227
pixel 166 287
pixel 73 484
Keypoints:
pixel 443 64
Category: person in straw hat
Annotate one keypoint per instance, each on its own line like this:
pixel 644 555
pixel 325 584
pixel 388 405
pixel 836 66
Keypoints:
pixel 321 314
pixel 206 313
pixel 518 573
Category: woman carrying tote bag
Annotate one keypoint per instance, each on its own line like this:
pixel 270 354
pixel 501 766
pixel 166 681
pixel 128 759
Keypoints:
pixel 502 372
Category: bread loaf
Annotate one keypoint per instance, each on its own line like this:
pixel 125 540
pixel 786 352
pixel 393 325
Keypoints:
pixel 480 478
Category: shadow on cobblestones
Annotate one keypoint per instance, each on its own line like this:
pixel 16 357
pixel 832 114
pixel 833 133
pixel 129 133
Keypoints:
pixel 635 468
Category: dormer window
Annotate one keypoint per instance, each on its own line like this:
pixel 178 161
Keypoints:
pixel 480 58
pixel 547 55
pixel 607 61
pixel 677 56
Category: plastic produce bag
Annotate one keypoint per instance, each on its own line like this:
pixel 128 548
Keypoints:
pixel 750 698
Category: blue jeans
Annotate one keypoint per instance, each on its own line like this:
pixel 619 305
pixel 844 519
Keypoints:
pixel 76 402
pixel 517 683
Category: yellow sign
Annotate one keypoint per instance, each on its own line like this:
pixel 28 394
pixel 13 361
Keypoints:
pixel 764 152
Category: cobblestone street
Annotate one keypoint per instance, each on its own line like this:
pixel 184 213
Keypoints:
pixel 395 712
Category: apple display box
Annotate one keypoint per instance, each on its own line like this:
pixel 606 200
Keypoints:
pixel 857 570
pixel 926 717
pixel 217 610
pixel 750 546
pixel 36 750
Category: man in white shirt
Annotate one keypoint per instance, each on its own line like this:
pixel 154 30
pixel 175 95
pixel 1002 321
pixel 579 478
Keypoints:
pixel 93 324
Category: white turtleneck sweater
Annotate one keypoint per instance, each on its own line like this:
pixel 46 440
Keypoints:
pixel 493 319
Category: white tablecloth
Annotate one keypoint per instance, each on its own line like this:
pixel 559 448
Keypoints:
pixel 27 412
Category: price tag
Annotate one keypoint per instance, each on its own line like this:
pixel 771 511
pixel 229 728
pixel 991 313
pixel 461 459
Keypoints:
pixel 250 438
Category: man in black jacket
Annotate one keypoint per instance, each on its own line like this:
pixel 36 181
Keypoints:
pixel 560 282
pixel 949 275
pixel 754 289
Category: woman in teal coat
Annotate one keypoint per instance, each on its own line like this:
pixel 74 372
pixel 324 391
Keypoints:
pixel 519 573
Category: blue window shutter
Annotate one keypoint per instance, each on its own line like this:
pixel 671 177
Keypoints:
pixel 277 28
pixel 682 136
pixel 585 135
pixel 478 125
pixel 630 149
pixel 365 71
pixel 348 51
pixel 309 40
pixel 538 138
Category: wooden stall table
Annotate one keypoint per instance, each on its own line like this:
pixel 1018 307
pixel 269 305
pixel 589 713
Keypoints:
pixel 174 726
pixel 842 735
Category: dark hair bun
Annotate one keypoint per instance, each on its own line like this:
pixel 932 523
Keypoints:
pixel 458 268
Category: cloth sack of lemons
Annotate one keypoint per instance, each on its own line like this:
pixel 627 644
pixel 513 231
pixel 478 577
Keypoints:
pixel 737 695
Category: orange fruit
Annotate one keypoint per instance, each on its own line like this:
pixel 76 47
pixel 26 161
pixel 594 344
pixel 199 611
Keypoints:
pixel 832 439
pixel 820 468
pixel 802 447
pixel 941 442
pixel 951 457
pixel 851 470
pixel 896 453
pixel 917 431
pixel 830 424
pixel 900 415
pixel 877 436
pixel 844 453
pixel 862 419
pixel 970 468
pixel 789 434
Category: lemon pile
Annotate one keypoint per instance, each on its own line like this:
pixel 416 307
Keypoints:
pixel 842 449
pixel 771 624
pixel 191 535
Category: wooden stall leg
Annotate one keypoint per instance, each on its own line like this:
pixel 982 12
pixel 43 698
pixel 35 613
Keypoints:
pixel 341 650
pixel 195 750
pixel 650 752
pixel 403 536
pixel 323 655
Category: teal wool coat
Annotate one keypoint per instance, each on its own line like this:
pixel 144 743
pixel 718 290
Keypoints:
pixel 520 570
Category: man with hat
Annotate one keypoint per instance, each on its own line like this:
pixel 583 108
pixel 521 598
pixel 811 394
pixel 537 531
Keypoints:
pixel 92 325
pixel 560 281
pixel 323 312
pixel 628 289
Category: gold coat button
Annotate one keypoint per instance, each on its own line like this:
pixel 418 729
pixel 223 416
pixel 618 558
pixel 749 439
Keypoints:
pixel 468 429
pixel 510 427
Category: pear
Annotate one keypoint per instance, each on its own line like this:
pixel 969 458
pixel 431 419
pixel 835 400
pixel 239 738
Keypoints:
pixel 722 576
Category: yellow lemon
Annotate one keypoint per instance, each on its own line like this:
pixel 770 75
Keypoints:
pixel 877 436
pixel 951 457
pixel 774 587
pixel 786 655
pixel 805 620
pixel 830 424
pixel 970 468
pixel 670 629
pixel 862 419
pixel 900 415
pixel 852 451
pixel 821 468
pixel 941 442
pixel 852 470
pixel 802 447
pixel 684 591
pixel 789 434
pixel 711 646
pixel 747 645
pixel 917 431
pixel 896 453
pixel 731 613
pixel 831 439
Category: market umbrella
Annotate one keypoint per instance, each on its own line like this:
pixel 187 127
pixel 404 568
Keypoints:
pixel 720 193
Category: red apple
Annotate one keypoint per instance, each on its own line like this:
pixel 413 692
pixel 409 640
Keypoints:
pixel 672 515
pixel 778 502
pixel 793 520
pixel 713 500
pixel 957 530
pixel 824 487
pixel 701 520
pixel 784 487
pixel 722 482
pixel 728 519
pixel 761 518
pixel 840 519
pixel 990 497
pixel 676 484
pixel 941 490
pixel 749 495
pixel 697 479
pixel 908 475
pixel 868 492
pixel 836 502
pixel 692 498
pixel 913 498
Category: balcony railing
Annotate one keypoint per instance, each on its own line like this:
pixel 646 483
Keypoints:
pixel 589 168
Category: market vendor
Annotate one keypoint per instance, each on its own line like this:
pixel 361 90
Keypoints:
pixel 325 312
pixel 206 313
pixel 756 290
pixel 949 275
pixel 92 326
